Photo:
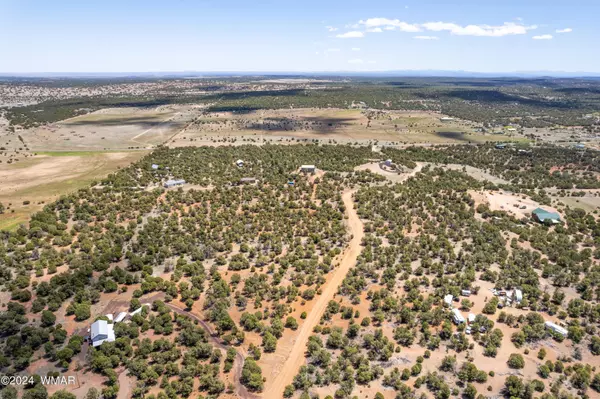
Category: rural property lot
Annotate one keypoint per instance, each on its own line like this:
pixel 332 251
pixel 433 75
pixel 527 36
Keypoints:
pixel 340 125
pixel 110 129
pixel 43 178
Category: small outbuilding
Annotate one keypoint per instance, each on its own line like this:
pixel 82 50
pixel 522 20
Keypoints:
pixel 471 318
pixel 448 300
pixel 518 295
pixel 446 119
pixel 457 316
pixel 138 310
pixel 155 166
pixel 120 317
pixel 308 168
pixel 239 163
pixel 101 332
pixel 465 292
pixel 500 146
pixel 247 180
pixel 543 216
pixel 556 328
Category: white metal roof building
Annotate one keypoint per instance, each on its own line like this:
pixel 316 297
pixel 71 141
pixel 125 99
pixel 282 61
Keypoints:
pixel 448 299
pixel 138 310
pixel 173 183
pixel 101 332
pixel 308 168
pixel 556 328
pixel 518 295
pixel 471 317
pixel 120 317
pixel 457 316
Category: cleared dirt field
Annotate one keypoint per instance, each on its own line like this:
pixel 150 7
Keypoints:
pixel 341 125
pixel 43 178
pixel 519 205
pixel 111 129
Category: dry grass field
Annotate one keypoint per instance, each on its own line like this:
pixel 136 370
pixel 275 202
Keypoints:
pixel 339 125
pixel 110 129
pixel 29 183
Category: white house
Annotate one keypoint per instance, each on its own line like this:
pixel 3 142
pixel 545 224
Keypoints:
pixel 448 300
pixel 101 332
pixel 308 168
pixel 471 318
pixel 457 316
pixel 556 328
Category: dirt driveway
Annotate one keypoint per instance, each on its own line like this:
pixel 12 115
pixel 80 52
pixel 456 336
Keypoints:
pixel 295 359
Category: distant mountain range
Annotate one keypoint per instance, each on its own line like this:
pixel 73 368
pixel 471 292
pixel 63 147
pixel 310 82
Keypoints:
pixel 396 73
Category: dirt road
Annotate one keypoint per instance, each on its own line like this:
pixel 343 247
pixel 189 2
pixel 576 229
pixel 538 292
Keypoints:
pixel 295 358
pixel 239 358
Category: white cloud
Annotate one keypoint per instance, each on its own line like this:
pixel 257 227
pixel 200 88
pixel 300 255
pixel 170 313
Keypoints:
pixel 566 30
pixel 508 28
pixel 542 37
pixel 332 50
pixel 371 62
pixel 355 61
pixel 350 35
pixel 426 37
pixel 373 23
pixel 331 28
pixel 355 48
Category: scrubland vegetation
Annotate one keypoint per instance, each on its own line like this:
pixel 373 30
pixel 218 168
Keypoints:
pixel 228 271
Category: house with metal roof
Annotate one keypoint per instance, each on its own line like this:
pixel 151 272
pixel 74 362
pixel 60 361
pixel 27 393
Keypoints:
pixel 543 216
pixel 174 183
pixel 308 168
pixel 101 332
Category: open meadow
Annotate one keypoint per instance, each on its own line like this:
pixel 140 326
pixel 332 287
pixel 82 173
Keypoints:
pixel 329 125
pixel 37 180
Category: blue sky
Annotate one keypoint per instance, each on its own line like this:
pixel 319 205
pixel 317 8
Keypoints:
pixel 307 35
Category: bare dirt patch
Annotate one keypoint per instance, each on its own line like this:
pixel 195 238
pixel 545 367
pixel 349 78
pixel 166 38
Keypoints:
pixel 519 205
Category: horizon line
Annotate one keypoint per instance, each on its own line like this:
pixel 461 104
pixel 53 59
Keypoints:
pixel 399 72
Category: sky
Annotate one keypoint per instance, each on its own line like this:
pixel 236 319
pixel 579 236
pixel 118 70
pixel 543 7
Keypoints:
pixel 299 36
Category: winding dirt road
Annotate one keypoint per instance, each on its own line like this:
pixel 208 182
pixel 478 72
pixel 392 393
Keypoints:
pixel 295 358
pixel 241 390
